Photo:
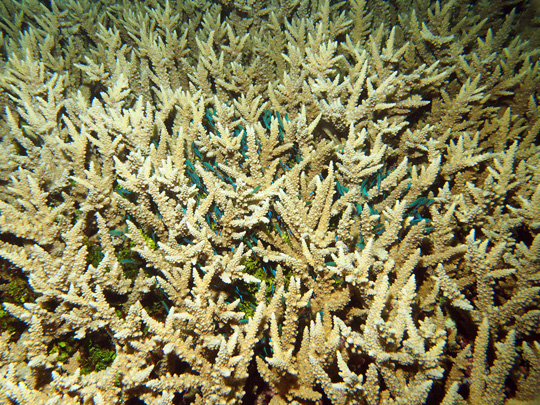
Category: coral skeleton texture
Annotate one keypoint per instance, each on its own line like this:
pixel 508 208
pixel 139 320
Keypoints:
pixel 269 202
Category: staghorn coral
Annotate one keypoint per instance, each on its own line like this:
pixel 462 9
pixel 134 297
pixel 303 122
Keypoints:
pixel 269 202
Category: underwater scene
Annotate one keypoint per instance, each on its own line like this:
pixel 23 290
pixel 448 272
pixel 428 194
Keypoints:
pixel 266 202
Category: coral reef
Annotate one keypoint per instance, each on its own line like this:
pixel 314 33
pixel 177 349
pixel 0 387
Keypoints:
pixel 269 202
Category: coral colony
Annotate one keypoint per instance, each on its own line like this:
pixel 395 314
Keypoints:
pixel 269 202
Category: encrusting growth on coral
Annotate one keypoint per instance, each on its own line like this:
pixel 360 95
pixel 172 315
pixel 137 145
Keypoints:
pixel 269 202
